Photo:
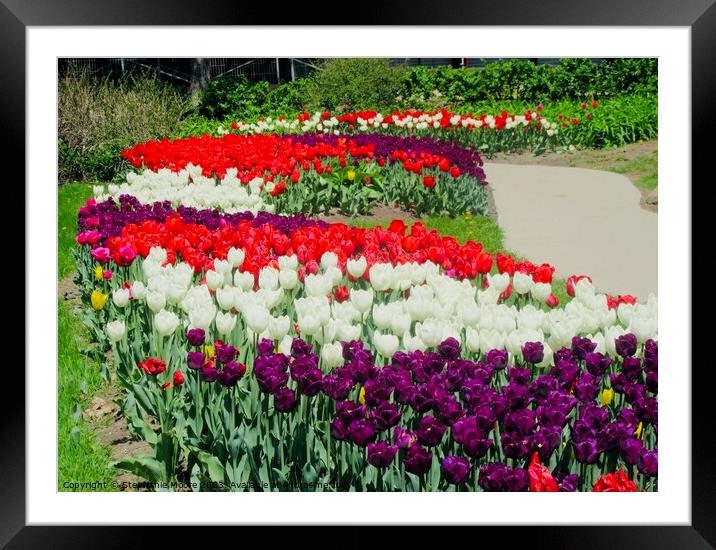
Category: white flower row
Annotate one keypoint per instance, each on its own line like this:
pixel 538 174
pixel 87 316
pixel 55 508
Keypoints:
pixel 405 307
pixel 421 122
pixel 188 187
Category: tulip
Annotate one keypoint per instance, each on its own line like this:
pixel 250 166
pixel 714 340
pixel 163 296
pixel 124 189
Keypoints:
pixel 97 299
pixel 278 327
pixel 225 323
pixel 522 283
pixel 472 340
pixel 257 318
pixel 541 292
pixel 156 301
pixel 120 297
pixel 332 355
pixel 115 330
pixel 244 280
pixel 268 278
pixel 166 322
pixel 456 469
pixel 178 378
pixel 381 453
pixel 214 279
pixel 385 344
pixel 417 460
pixel 288 279
pixel 236 257
pixel 381 276
pixel 139 291
pixel 361 299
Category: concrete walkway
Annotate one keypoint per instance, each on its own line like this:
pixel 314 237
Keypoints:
pixel 581 221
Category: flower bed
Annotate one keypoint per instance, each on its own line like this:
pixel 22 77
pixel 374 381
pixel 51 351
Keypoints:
pixel 487 133
pixel 284 353
pixel 311 174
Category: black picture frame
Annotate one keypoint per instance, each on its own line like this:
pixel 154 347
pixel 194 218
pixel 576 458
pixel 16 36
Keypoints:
pixel 699 15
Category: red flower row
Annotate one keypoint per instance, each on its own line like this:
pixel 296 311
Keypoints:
pixel 273 157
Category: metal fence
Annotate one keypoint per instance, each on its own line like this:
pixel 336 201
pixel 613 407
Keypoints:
pixel 271 69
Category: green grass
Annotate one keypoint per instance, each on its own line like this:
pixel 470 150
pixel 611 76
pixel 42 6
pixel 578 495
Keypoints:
pixel 646 167
pixel 80 457
pixel 70 198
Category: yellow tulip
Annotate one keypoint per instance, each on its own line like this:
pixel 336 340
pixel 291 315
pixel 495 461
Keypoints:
pixel 98 299
pixel 209 351
pixel 607 396
pixel 361 395
pixel 639 430
pixel 351 175
pixel 99 272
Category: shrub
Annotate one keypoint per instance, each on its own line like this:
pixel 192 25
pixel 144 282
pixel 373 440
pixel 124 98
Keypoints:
pixel 353 84
pixel 99 118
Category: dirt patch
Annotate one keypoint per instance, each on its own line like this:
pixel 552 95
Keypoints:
pixel 595 159
pixel 67 289
pixel 111 430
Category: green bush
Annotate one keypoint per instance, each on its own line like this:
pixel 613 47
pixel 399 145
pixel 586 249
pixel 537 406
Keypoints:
pixel 239 99
pixel 99 118
pixel 353 84
pixel 522 79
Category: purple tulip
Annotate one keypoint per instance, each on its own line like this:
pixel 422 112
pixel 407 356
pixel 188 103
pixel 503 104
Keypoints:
pixel 385 416
pixel 285 400
pixel 265 347
pixel 381 453
pixel 533 352
pixel 626 345
pixel 196 336
pixel 632 449
pixel 362 432
pixel 449 348
pixel 430 431
pixel 417 460
pixel 195 360
pixel 649 463
pixel 456 469
pixel 497 358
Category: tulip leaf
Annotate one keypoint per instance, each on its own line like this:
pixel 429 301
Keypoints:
pixel 143 429
pixel 309 474
pixel 75 434
pixel 210 464
pixel 146 467
pixel 76 411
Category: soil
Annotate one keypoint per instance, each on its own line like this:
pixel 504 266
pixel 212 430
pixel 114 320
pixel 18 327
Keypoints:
pixel 595 159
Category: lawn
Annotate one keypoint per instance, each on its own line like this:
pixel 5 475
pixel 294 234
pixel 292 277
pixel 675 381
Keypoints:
pixel 80 457
pixel 643 169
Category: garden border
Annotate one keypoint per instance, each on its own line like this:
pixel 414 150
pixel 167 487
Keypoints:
pixel 699 15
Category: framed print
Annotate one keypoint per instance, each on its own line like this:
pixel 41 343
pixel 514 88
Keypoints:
pixel 366 285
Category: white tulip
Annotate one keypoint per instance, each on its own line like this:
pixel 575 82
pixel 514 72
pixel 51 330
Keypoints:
pixel 225 322
pixel 541 292
pixel 139 291
pixel 288 279
pixel 334 275
pixel 346 332
pixel 268 278
pixel 400 323
pixel 381 276
pixel 120 297
pixel 361 299
pixel 356 267
pixel 329 259
pixel 278 327
pixel 522 283
pixel 413 343
pixel 175 293
pixel 381 316
pixel 225 298
pixel 430 332
pixel 332 355
pixel 499 281
pixel 156 301
pixel 288 262
pixel 472 340
pixel 157 254
pixel 418 307
pixel 643 328
pixel 610 336
pixel 309 324
pixel 385 344
pixel 285 345
pixel 257 318
pixel 548 357
pixel 244 280
pixel 491 340
pixel 202 316
pixel 222 266
pixel 166 322
pixel 317 285
pixel 236 256
pixel 115 330
pixel 214 279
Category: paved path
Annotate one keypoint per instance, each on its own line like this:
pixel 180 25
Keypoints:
pixel 581 221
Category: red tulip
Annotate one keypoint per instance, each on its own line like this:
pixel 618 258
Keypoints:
pixel 541 479
pixel 429 181
pixel 152 366
pixel 178 378
pixel 617 482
